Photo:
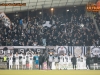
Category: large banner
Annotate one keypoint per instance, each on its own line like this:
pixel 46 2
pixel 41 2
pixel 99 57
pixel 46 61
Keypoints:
pixel 73 50
pixel 95 50
pixel 62 50
pixel 69 50
pixel 80 50
pixel 6 50
pixel 28 49
pixel 77 51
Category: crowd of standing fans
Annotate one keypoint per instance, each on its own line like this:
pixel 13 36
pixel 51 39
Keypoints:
pixel 97 17
pixel 74 29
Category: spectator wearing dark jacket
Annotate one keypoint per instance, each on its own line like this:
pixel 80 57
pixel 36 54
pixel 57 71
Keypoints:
pixel 74 62
pixel 41 60
pixel 88 59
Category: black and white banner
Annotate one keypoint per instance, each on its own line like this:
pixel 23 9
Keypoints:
pixel 62 49
pixel 72 50
pixel 6 50
pixel 77 51
pixel 80 50
pixel 28 49
pixel 95 50
pixel 69 50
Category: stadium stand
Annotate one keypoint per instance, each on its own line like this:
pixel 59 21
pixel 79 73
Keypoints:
pixel 73 29
pixel 97 17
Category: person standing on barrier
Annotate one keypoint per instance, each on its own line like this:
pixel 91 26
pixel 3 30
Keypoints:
pixel 95 62
pixel 74 60
pixel 88 58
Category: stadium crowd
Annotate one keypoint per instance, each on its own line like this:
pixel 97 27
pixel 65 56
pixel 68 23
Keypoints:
pixel 97 17
pixel 73 29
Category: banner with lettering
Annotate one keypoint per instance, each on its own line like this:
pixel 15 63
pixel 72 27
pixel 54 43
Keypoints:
pixel 28 49
pixel 6 50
